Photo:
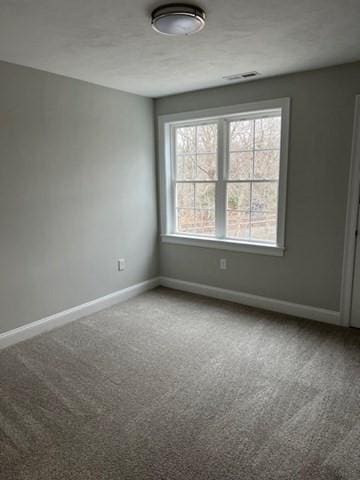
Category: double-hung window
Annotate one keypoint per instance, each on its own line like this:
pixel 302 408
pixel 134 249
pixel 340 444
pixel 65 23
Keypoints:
pixel 223 177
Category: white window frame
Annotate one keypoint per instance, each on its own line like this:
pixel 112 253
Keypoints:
pixel 166 124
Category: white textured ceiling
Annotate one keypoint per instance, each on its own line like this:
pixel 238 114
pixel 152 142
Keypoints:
pixel 111 42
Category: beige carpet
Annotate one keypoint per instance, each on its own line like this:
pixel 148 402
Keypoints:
pixel 172 386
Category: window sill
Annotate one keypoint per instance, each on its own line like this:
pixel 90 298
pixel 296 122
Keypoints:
pixel 232 245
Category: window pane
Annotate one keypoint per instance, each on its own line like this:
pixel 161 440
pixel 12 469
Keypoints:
pixel 238 196
pixel 238 224
pixel 241 165
pixel 205 222
pixel 195 204
pixel 206 136
pixel 196 167
pixel 185 167
pixel 185 140
pixel 206 167
pixel 185 220
pixel 263 226
pixel 205 195
pixel 241 135
pixel 264 196
pixel 267 133
pixel 196 157
pixel 185 195
pixel 266 165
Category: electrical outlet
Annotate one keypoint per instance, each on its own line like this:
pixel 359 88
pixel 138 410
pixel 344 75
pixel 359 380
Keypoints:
pixel 121 264
pixel 223 265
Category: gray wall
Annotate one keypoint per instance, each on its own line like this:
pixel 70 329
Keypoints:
pixel 77 191
pixel 320 143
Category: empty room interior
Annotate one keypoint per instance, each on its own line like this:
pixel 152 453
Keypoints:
pixel 179 248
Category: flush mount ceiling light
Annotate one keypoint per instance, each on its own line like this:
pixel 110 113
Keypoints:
pixel 178 19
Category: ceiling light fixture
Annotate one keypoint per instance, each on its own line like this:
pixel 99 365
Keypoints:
pixel 178 19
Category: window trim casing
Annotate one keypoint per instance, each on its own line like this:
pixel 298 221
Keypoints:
pixel 166 175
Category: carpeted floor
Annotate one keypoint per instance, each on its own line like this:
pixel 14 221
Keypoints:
pixel 172 386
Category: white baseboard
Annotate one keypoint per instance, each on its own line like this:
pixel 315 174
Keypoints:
pixel 58 319
pixel 304 311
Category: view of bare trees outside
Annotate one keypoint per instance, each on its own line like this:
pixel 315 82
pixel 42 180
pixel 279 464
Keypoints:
pixel 196 173
pixel 252 190
pixel 252 183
